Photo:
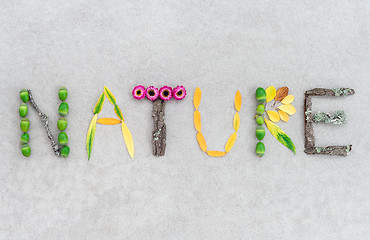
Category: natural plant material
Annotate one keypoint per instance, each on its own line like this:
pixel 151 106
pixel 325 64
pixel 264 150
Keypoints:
pixel 273 115
pixel 63 138
pixel 202 142
pixel 197 97
pixel 139 92
pixel 25 138
pixel 165 93
pixel 26 150
pixel 24 95
pixel 25 124
pixel 281 93
pixel 280 135
pixel 260 109
pixel 259 120
pixel 109 121
pixel 260 133
pixel 238 101
pixel 62 124
pixel 339 117
pixel 270 93
pixel 283 116
pixel 216 153
pixel 282 111
pixel 65 151
pixel 236 123
pixel 118 112
pixel 128 139
pixel 197 121
pixel 23 110
pixel 179 92
pixel 152 93
pixel 99 104
pixel 63 109
pixel 63 93
pixel 90 135
pixel 261 95
pixel 260 149
pixel 230 142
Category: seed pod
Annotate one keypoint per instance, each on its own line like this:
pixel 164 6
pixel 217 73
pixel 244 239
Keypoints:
pixel 261 95
pixel 260 149
pixel 25 138
pixel 63 93
pixel 259 120
pixel 25 124
pixel 260 132
pixel 63 109
pixel 23 110
pixel 62 138
pixel 62 124
pixel 260 109
pixel 26 150
pixel 24 95
pixel 65 151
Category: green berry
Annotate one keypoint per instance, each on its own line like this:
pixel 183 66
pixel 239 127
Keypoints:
pixel 62 124
pixel 63 109
pixel 259 120
pixel 260 109
pixel 65 151
pixel 23 110
pixel 25 138
pixel 63 93
pixel 26 150
pixel 260 133
pixel 62 138
pixel 260 149
pixel 261 95
pixel 24 95
pixel 25 124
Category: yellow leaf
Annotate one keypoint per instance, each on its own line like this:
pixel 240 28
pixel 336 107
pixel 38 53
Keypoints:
pixel 288 99
pixel 238 101
pixel 280 135
pixel 109 121
pixel 288 108
pixel 128 140
pixel 109 95
pixel 216 153
pixel 197 121
pixel 273 115
pixel 197 97
pixel 270 93
pixel 202 142
pixel 90 135
pixel 230 142
pixel 284 116
pixel 236 122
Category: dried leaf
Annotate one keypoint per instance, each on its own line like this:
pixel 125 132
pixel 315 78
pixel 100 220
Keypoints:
pixel 109 121
pixel 202 142
pixel 230 142
pixel 288 108
pixel 270 93
pixel 273 115
pixel 216 153
pixel 197 121
pixel 236 122
pixel 281 93
pixel 99 104
pixel 118 112
pixel 238 101
pixel 284 116
pixel 128 140
pixel 280 135
pixel 109 95
pixel 90 135
pixel 197 97
pixel 288 99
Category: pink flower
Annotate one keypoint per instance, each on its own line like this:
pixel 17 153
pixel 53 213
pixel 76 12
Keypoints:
pixel 165 93
pixel 179 93
pixel 139 92
pixel 152 93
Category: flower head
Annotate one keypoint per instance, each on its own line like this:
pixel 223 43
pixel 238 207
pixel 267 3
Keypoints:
pixel 139 92
pixel 152 93
pixel 179 93
pixel 165 93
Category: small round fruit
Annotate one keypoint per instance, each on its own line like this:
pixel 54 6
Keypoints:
pixel 260 109
pixel 260 149
pixel 259 120
pixel 25 124
pixel 63 93
pixel 25 138
pixel 23 110
pixel 62 124
pixel 62 138
pixel 63 109
pixel 260 133
pixel 26 150
pixel 24 95
pixel 65 151
pixel 261 95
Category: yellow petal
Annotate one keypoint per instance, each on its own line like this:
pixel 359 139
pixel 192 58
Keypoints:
pixel 270 93
pixel 273 115
pixel 128 139
pixel 284 116
pixel 109 121
pixel 197 97
pixel 238 101
pixel 288 108
pixel 216 153
pixel 202 142
pixel 288 99
pixel 236 122
pixel 230 142
pixel 197 122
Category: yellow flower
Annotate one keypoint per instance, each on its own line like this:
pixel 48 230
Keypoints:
pixel 282 105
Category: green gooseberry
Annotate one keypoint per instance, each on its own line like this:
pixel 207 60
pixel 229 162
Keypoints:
pixel 260 109
pixel 63 138
pixel 25 124
pixel 26 150
pixel 24 95
pixel 23 110
pixel 260 132
pixel 63 93
pixel 260 149
pixel 259 120
pixel 261 95
pixel 62 124
pixel 63 109
pixel 65 151
pixel 25 138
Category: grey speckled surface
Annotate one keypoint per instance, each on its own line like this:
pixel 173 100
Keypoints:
pixel 220 46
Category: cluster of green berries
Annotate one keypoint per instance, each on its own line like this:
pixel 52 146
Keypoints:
pixel 260 131
pixel 25 123
pixel 62 122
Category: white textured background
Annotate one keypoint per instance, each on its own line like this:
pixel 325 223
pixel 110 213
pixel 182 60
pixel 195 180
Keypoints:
pixel 220 46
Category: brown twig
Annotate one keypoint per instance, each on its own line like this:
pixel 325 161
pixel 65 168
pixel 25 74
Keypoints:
pixel 159 130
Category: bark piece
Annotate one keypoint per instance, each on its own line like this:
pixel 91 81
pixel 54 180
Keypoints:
pixel 159 130
pixel 330 150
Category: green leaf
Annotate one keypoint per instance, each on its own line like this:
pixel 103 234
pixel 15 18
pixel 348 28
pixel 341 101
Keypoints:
pixel 109 95
pixel 118 112
pixel 280 135
pixel 91 135
pixel 99 104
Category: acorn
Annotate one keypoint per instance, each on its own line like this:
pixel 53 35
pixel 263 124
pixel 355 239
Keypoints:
pixel 259 120
pixel 260 133
pixel 261 95
pixel 260 149
pixel 26 150
pixel 62 124
pixel 24 95
pixel 65 151
pixel 63 93
pixel 260 109
pixel 63 109
pixel 23 110
pixel 25 138
pixel 62 138
pixel 25 124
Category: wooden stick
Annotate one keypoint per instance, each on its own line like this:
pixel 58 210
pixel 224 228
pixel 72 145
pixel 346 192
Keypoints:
pixel 159 130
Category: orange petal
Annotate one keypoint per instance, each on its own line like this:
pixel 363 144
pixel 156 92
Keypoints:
pixel 216 153
pixel 197 122
pixel 109 121
pixel 202 142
